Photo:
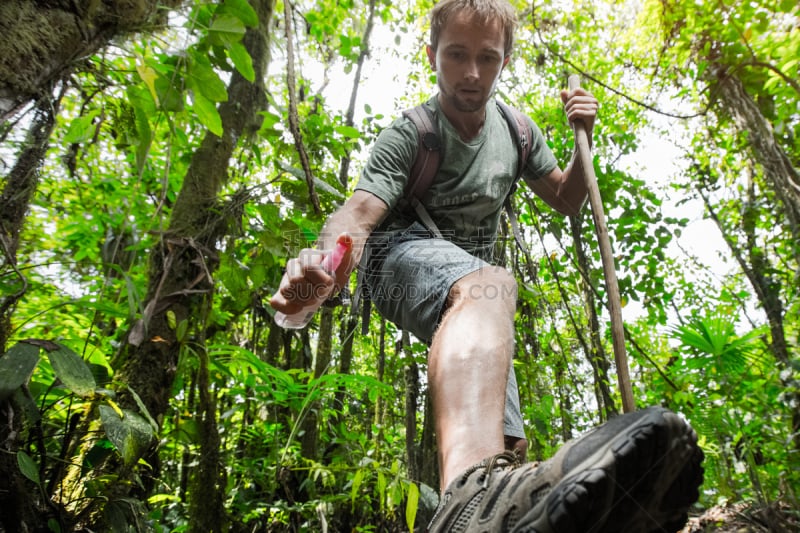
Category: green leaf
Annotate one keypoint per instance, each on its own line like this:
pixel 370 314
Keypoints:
pixel 226 29
pixel 203 78
pixel 354 488
pixel 144 105
pixel 257 274
pixel 81 129
pixel 242 61
pixel 180 331
pixel 72 371
pixel 348 131
pixel 172 320
pixel 145 138
pixel 242 10
pixel 131 434
pixel 143 408
pixel 323 185
pixel 134 302
pixel 28 467
pixel 163 498
pixel 411 505
pixel 207 114
pixel 382 489
pixel 170 96
pixel 16 367
pixel 187 431
pixel 148 75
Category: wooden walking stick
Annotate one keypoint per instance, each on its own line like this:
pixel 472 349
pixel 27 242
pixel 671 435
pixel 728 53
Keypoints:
pixel 614 307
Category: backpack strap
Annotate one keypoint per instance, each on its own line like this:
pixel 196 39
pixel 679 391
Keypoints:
pixel 522 133
pixel 426 164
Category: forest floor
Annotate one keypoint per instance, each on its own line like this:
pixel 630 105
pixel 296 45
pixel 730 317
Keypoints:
pixel 745 518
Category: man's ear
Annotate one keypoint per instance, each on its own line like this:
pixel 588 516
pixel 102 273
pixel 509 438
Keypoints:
pixel 506 59
pixel 431 56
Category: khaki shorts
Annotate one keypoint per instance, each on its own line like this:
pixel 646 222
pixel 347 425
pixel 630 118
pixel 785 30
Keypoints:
pixel 408 277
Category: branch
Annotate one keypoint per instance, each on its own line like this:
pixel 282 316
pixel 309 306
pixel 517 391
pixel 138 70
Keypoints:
pixel 587 279
pixel 294 126
pixel 584 74
pixel 755 62
pixel 345 166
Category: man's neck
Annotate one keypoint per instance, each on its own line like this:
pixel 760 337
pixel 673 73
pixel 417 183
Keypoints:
pixel 468 124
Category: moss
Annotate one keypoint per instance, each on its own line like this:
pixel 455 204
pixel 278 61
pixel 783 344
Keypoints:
pixel 32 44
pixel 123 13
pixel 39 41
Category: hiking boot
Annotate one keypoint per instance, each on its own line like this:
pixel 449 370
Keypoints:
pixel 638 472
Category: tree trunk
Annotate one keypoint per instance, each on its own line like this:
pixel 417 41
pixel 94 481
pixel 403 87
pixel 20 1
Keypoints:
pixel 380 369
pixel 344 167
pixel 596 356
pixel 42 42
pixel 756 267
pixel 428 450
pixel 324 348
pixel 19 187
pixel 22 507
pixel 778 168
pixel 564 397
pixel 207 498
pixel 346 357
pixel 412 404
pixel 182 265
pixel 275 342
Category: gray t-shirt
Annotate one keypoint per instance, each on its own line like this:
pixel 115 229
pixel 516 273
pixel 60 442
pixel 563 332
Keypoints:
pixel 474 178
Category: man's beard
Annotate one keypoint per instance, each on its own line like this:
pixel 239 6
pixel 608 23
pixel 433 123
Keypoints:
pixel 462 105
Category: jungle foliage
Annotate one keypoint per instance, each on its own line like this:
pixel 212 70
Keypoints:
pixel 161 162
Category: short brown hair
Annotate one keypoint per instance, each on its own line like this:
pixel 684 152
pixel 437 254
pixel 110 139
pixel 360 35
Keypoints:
pixel 485 10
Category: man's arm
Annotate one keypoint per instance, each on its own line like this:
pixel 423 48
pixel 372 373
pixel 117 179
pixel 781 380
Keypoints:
pixel 304 280
pixel 565 191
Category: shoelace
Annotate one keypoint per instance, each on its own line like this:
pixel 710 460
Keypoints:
pixel 511 460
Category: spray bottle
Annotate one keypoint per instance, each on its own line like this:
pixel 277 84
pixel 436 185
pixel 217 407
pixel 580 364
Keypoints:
pixel 329 264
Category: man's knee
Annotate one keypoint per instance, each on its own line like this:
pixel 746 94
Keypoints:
pixel 490 285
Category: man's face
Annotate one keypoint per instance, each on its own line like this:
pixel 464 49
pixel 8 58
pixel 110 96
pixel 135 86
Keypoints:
pixel 468 62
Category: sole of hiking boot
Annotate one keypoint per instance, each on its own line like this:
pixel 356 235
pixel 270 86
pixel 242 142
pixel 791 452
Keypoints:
pixel 643 480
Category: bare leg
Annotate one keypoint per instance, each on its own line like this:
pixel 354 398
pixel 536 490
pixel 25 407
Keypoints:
pixel 468 369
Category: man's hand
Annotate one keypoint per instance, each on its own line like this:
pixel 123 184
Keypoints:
pixel 581 105
pixel 307 283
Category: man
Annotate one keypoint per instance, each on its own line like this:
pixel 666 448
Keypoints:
pixel 639 471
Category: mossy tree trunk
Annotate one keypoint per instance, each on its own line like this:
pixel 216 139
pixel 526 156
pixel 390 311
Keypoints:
pixel 311 420
pixel 20 503
pixel 180 277
pixel 42 42
pixel 19 186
